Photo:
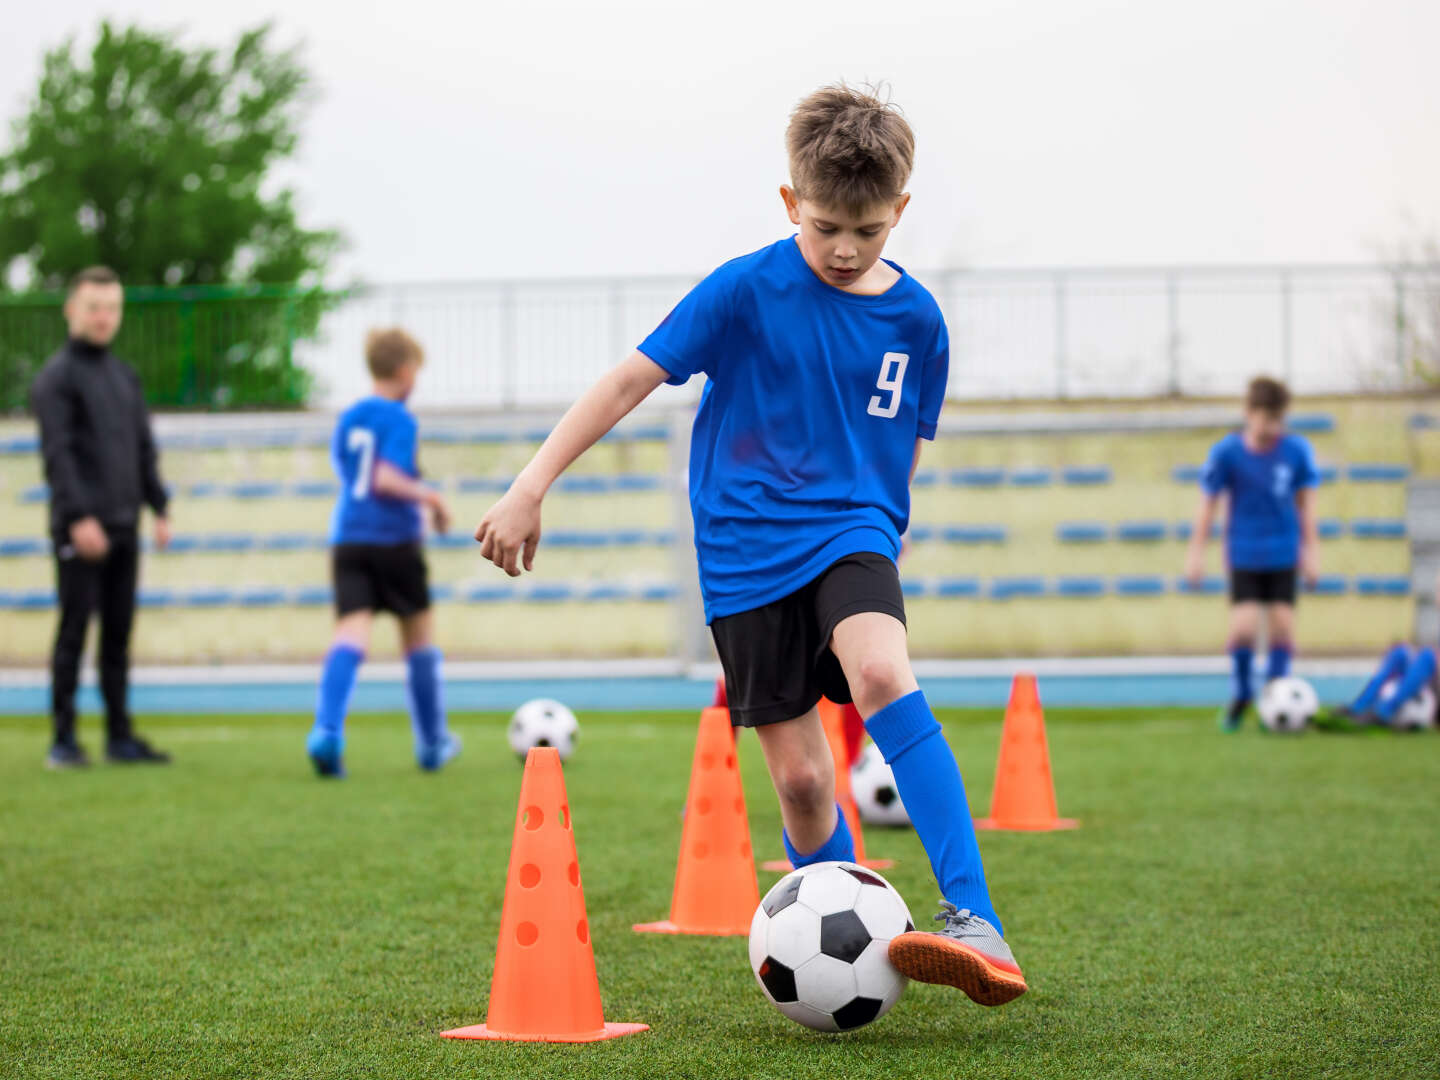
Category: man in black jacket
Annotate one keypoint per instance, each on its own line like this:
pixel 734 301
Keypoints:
pixel 100 463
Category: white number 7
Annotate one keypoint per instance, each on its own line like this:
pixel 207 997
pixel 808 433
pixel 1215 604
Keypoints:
pixel 890 382
pixel 363 440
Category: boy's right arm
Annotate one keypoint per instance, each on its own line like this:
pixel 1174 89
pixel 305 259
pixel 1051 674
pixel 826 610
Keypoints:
pixel 1199 533
pixel 509 532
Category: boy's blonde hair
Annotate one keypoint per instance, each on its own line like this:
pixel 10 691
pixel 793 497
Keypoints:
pixel 387 351
pixel 849 149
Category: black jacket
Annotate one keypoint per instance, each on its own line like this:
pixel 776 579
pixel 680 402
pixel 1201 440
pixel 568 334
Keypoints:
pixel 95 439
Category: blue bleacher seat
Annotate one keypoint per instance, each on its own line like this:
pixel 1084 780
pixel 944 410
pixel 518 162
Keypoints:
pixel 1329 474
pixel 256 489
pixel 487 484
pixel 1080 586
pixel 1081 532
pixel 260 596
pixel 207 598
pixel 963 586
pixel 1186 474
pixel 925 478
pixel 1139 585
pixel 1378 474
pixel 1183 529
pixel 37 493
pixel 550 593
pixel 1311 423
pixel 33 599
pixel 228 542
pixel 598 593
pixel 293 541
pixel 1031 477
pixel 202 490
pixel 1330 585
pixel 20 444
pixel 1424 422
pixel 1208 586
pixel 1378 528
pixel 922 534
pixel 1382 585
pixel 984 478
pixel 315 489
pixel 23 545
pixel 657 593
pixel 972 534
pixel 155 598
pixel 1140 531
pixel 912 587
pixel 1005 588
pixel 317 596
pixel 1329 528
pixel 1087 475
pixel 638 482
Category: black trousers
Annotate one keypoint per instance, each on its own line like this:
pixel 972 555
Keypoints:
pixel 84 588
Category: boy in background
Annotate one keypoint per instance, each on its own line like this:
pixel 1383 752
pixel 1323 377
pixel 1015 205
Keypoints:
pixel 376 559
pixel 1269 476
pixel 826 368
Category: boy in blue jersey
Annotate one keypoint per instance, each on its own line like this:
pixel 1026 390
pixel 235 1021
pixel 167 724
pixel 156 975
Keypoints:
pixel 1269 475
pixel 826 369
pixel 376 560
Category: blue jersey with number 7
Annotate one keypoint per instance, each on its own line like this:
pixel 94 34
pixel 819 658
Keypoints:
pixel 373 430
pixel 806 429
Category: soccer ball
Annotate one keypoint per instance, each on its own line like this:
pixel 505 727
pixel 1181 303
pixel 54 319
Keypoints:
pixel 1417 714
pixel 820 941
pixel 543 722
pixel 873 785
pixel 1288 705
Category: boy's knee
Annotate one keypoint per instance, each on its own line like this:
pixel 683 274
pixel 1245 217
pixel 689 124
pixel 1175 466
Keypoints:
pixel 805 786
pixel 881 682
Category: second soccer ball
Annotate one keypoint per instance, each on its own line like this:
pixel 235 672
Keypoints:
pixel 543 722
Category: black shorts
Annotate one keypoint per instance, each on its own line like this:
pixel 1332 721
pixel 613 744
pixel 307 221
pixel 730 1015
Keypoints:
pixel 1263 586
pixel 379 577
pixel 777 658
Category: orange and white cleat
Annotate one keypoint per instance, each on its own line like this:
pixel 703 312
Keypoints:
pixel 969 954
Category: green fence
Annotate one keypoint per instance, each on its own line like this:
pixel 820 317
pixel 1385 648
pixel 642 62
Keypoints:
pixel 204 347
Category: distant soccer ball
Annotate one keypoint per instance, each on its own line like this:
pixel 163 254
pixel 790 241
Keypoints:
pixel 543 722
pixel 820 941
pixel 1287 705
pixel 1417 714
pixel 873 785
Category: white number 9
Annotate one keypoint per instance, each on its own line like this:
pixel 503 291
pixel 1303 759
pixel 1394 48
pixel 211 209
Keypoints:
pixel 891 382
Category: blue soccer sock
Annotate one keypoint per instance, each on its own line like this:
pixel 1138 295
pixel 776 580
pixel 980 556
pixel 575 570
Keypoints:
pixel 337 680
pixel 1392 666
pixel 427 706
pixel 1279 664
pixel 1241 659
pixel 930 786
pixel 1420 671
pixel 839 848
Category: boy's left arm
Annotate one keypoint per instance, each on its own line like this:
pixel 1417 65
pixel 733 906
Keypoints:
pixel 1309 536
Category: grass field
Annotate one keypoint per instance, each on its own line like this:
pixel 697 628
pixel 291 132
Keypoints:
pixel 1230 907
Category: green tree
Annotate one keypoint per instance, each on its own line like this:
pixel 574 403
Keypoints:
pixel 152 157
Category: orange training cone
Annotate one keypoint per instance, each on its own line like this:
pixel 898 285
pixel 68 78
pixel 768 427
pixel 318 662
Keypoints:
pixel 715 887
pixel 1024 797
pixel 832 717
pixel 544 988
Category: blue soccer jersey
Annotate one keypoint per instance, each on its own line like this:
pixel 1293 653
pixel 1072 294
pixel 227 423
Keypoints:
pixel 372 430
pixel 1263 532
pixel 806 429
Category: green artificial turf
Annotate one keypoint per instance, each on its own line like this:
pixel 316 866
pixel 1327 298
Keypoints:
pixel 1231 906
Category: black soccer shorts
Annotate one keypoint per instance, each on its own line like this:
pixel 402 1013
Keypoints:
pixel 1263 586
pixel 379 577
pixel 777 657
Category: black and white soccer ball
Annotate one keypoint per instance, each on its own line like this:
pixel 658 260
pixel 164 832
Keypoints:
pixel 1287 705
pixel 543 722
pixel 873 786
pixel 1416 714
pixel 820 941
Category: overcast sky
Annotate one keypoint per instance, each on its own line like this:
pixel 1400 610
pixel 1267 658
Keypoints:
pixel 456 140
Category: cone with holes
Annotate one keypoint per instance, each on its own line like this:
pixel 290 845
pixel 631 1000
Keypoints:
pixel 1024 797
pixel 544 988
pixel 715 888
pixel 833 718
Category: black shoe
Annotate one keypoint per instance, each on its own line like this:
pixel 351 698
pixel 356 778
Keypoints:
pixel 67 756
pixel 134 750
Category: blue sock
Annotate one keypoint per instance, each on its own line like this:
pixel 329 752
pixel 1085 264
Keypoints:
pixel 910 739
pixel 1420 672
pixel 337 680
pixel 1279 664
pixel 1241 657
pixel 839 848
pixel 427 707
pixel 1392 666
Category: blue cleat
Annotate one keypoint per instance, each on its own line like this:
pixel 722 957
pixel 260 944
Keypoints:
pixel 432 756
pixel 1232 716
pixel 326 753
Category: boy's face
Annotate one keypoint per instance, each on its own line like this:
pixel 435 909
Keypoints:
pixel 838 246
pixel 93 312
pixel 405 377
pixel 1263 428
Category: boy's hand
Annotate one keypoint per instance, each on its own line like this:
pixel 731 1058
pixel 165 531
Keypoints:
pixel 1310 566
pixel 162 533
pixel 440 516
pixel 1195 565
pixel 88 536
pixel 510 531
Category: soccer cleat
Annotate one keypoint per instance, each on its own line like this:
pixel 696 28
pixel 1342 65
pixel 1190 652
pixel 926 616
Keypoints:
pixel 1346 720
pixel 326 753
pixel 433 756
pixel 1233 715
pixel 969 954
pixel 134 750
pixel 67 756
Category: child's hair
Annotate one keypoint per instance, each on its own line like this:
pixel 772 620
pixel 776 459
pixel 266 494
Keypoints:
pixel 849 149
pixel 92 275
pixel 387 351
pixel 1267 395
